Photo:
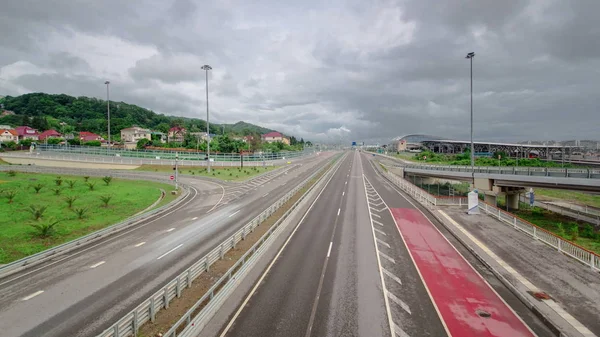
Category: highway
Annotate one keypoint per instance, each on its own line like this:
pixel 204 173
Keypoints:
pixel 364 261
pixel 83 292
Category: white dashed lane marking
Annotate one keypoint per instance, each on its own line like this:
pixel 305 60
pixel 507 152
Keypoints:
pixel 32 295
pixel 98 264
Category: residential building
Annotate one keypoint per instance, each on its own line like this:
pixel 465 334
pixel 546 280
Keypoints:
pixel 275 136
pixel 25 132
pixel 8 135
pixel 199 135
pixel 134 134
pixel 176 134
pixel 159 135
pixel 49 134
pixel 86 136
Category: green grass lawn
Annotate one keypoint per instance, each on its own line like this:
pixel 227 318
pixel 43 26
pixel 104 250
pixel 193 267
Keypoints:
pixel 18 238
pixel 2 162
pixel 223 173
pixel 576 197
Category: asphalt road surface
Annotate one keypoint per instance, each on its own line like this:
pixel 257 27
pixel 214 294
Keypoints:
pixel 366 262
pixel 84 292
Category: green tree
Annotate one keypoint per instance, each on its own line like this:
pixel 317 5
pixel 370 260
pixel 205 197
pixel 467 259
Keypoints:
pixel 142 143
pixel 93 143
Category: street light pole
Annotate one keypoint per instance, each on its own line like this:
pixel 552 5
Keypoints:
pixel 206 68
pixel 470 56
pixel 108 111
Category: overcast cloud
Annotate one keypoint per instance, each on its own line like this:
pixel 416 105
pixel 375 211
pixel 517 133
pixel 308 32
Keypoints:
pixel 322 70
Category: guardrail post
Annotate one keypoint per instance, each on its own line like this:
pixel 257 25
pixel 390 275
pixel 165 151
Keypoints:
pixel 559 244
pixel 135 323
pixel 499 214
pixel 189 277
pixel 592 258
pixel 178 287
pixel 535 232
pixel 207 265
pixel 515 222
pixel 152 310
pixel 116 330
pixel 166 297
pixel 222 252
pixel 233 242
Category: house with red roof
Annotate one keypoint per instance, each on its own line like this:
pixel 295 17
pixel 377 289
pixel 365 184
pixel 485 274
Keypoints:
pixel 25 132
pixel 8 135
pixel 86 136
pixel 275 136
pixel 50 134
pixel 176 134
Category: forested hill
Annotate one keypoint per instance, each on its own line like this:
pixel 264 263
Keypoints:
pixel 45 111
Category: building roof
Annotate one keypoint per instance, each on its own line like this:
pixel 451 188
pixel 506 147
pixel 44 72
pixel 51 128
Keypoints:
pixel 272 134
pixel 89 138
pixel 26 131
pixel 135 128
pixel 11 131
pixel 177 129
pixel 49 133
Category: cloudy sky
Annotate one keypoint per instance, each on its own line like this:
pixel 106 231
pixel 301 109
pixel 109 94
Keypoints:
pixel 322 70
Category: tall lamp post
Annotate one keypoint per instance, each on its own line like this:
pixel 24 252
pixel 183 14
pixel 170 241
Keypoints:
pixel 470 56
pixel 108 111
pixel 206 68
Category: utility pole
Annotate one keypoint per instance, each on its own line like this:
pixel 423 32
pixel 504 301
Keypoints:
pixel 470 56
pixel 176 171
pixel 108 111
pixel 206 68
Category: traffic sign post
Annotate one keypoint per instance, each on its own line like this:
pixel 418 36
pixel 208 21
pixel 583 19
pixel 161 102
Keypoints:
pixel 176 171
pixel 172 177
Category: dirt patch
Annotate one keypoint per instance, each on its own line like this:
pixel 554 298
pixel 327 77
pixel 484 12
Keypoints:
pixel 165 319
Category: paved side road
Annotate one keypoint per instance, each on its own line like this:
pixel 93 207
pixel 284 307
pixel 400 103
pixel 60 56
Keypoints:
pixel 83 294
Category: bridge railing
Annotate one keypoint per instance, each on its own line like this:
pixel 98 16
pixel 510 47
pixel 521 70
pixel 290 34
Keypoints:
pixel 566 247
pixel 525 171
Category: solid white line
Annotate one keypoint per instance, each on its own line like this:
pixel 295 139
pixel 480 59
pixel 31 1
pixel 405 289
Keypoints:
pixel 339 209
pixel 380 231
pixel 218 202
pixel 195 218
pixel 329 251
pixel 140 244
pixel 169 252
pixel 234 213
pixel 32 295
pixel 170 229
pixel 392 276
pixel 398 301
pixel 243 305
pixel 98 264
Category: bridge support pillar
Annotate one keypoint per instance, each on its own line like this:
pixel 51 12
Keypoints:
pixel 490 198
pixel 512 200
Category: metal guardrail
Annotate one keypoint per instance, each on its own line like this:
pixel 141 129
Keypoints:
pixel 593 218
pixel 28 261
pixel 567 247
pixel 520 171
pixel 130 323
pixel 193 156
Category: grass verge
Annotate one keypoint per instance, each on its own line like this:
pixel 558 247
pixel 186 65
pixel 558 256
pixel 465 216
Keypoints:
pixel 100 205
pixel 2 162
pixel 165 319
pixel 572 196
pixel 226 173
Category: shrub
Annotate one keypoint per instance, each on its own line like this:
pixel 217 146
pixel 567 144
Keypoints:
pixel 86 178
pixel 70 200
pixel 58 181
pixel 80 212
pixel 574 232
pixel 71 183
pixel 588 231
pixel 560 229
pixel 105 199
pixel 38 188
pixel 107 180
pixel 90 185
pixel 11 173
pixel 37 211
pixel 56 191
pixel 46 229
pixel 10 195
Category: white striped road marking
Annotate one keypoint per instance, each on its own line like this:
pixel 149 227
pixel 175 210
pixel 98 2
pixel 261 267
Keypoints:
pixel 379 231
pixel 234 213
pixel 398 301
pixel 32 295
pixel 377 215
pixel 399 331
pixel 140 244
pixel 560 311
pixel 346 183
pixel 195 218
pixel 169 252
pixel 377 222
pixel 387 258
pixel 379 210
pixel 339 210
pixel 392 276
pixel 98 264
pixel 329 251
pixel 265 194
pixel 384 243
pixel 170 229
pixel 343 193
pixel 374 204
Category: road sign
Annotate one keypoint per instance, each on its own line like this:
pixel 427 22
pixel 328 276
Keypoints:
pixel 172 177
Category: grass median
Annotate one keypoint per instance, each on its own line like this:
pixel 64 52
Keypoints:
pixel 40 211
pixel 165 319
pixel 227 173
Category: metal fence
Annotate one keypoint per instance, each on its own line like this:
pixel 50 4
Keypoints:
pixel 521 171
pixel 183 155
pixel 129 324
pixel 592 218
pixel 567 247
